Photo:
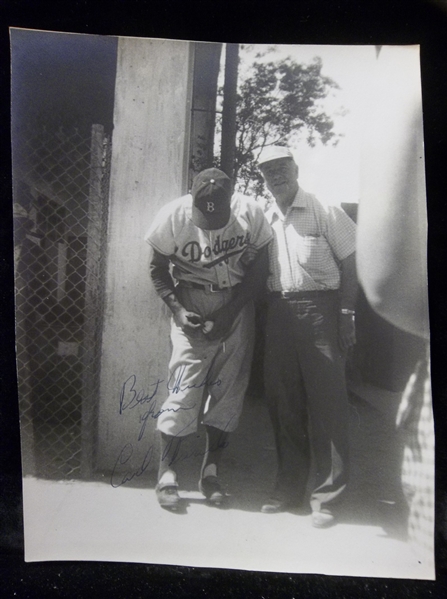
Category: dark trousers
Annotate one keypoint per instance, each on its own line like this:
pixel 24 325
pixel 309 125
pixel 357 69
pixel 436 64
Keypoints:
pixel 307 399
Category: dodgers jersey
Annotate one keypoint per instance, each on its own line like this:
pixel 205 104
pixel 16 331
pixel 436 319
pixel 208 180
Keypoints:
pixel 218 256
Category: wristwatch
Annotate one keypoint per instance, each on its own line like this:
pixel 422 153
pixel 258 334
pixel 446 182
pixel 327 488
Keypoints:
pixel 348 312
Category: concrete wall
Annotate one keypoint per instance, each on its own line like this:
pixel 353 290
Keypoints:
pixel 149 168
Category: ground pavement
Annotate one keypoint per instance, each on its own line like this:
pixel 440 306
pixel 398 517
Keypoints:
pixel 93 521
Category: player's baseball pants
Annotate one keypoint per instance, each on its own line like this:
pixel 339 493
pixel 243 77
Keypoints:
pixel 207 379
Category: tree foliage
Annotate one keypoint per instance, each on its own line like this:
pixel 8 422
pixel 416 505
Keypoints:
pixel 279 102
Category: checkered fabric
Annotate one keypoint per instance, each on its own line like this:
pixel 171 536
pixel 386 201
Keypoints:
pixel 415 422
pixel 309 241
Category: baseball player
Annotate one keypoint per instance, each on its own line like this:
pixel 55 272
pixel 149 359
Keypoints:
pixel 208 262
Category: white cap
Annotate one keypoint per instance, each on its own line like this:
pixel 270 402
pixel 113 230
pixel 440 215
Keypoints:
pixel 273 153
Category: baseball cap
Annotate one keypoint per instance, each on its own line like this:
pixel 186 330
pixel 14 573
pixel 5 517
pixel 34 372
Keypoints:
pixel 211 194
pixel 273 153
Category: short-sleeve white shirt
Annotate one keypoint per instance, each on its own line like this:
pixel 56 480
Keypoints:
pixel 309 242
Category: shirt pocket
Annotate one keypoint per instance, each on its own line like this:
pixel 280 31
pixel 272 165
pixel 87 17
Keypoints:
pixel 315 253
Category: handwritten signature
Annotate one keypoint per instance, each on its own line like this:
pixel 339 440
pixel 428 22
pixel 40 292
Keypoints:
pixel 174 455
pixel 173 452
pixel 118 478
pixel 131 397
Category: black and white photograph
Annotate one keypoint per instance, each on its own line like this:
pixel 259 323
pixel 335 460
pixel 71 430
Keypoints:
pixel 222 330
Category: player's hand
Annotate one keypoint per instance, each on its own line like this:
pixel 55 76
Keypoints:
pixel 189 322
pixel 346 331
pixel 222 320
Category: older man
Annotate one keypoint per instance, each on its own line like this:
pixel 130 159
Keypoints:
pixel 209 259
pixel 310 325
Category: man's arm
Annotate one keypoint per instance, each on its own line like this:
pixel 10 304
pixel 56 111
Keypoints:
pixel 348 295
pixel 160 275
pixel 250 287
pixel 164 285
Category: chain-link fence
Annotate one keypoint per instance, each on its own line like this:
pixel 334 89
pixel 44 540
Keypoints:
pixel 60 218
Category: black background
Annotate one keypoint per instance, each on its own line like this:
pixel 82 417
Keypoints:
pixel 421 22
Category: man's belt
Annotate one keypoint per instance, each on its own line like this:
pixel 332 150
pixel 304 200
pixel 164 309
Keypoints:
pixel 210 287
pixel 302 295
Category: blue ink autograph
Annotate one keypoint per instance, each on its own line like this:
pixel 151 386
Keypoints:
pixel 176 457
pixel 131 397
pixel 122 474
pixel 176 380
pixel 117 479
